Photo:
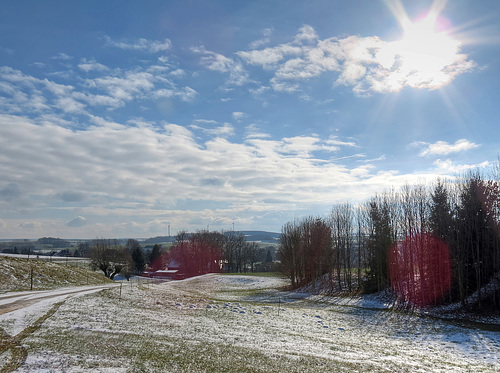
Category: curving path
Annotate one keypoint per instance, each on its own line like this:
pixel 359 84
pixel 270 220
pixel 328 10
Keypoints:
pixel 10 302
pixel 27 311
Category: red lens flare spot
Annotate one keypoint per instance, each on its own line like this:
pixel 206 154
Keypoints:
pixel 419 269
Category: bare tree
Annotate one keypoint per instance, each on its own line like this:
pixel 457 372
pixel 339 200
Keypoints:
pixel 234 251
pixel 289 252
pixel 343 243
pixel 109 256
pixel 305 250
pixel 198 253
pixel 252 255
pixel 381 238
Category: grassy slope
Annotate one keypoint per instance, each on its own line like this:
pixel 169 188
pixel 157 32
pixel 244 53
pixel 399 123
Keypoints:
pixel 15 275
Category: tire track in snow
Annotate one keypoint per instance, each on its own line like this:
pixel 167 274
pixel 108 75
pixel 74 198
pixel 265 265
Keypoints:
pixel 13 353
pixel 11 347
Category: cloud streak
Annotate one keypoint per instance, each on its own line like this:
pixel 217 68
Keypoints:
pixel 140 44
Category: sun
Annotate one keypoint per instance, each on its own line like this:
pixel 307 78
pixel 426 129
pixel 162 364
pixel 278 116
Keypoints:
pixel 425 55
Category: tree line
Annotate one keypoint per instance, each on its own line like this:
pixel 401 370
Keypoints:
pixel 192 254
pixel 208 252
pixel 430 244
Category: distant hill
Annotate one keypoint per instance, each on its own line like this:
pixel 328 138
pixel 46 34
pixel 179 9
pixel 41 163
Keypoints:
pixel 55 242
pixel 159 239
pixel 260 236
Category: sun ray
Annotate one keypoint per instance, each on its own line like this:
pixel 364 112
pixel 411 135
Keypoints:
pixel 426 55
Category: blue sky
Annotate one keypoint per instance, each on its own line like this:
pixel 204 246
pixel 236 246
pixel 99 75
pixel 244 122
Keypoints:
pixel 120 118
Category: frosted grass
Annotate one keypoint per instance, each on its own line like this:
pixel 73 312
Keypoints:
pixel 220 323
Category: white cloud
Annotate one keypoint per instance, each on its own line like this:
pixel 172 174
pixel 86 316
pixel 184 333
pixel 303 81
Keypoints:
pixel 99 100
pixel 334 141
pixel 381 158
pixel 216 130
pixel 178 73
pixel 63 57
pixel 91 65
pixel 297 69
pixel 31 95
pixel 259 91
pixel 217 62
pixel 144 173
pixel 76 222
pixel 302 146
pixel 266 38
pixel 125 88
pixel 284 86
pixel 152 46
pixel 70 105
pixel 444 148
pixel 140 173
pixel 269 57
pixel 367 64
pixel 446 166
pixel 306 34
pixel 186 94
pixel 205 121
pixel 238 115
pixel 254 132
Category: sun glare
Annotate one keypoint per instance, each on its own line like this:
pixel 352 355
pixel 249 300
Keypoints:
pixel 425 55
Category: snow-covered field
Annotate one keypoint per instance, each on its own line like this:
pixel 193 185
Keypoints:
pixel 222 323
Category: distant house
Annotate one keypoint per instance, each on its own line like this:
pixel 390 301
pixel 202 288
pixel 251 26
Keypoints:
pixel 171 272
pixel 164 273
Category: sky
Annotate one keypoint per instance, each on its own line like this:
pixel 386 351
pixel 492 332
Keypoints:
pixel 136 119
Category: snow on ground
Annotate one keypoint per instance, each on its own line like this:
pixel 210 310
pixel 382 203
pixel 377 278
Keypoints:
pixel 39 302
pixel 244 323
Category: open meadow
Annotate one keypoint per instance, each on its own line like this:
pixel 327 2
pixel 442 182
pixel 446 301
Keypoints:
pixel 229 323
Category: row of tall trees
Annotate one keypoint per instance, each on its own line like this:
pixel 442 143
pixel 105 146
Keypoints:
pixel 207 252
pixel 306 250
pixel 407 238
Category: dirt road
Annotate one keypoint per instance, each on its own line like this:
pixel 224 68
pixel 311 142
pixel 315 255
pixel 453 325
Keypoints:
pixel 14 301
pixel 24 312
